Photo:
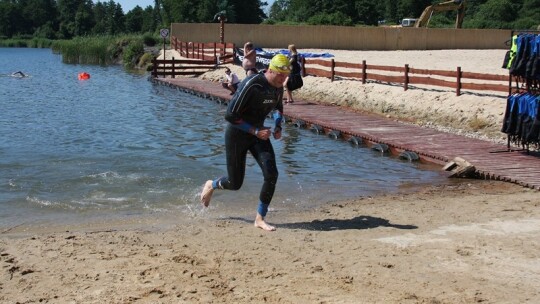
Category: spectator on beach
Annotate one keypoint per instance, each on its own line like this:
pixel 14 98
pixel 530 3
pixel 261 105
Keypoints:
pixel 258 96
pixel 294 80
pixel 231 82
pixel 250 59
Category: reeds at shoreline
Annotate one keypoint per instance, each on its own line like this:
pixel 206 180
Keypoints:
pixel 101 50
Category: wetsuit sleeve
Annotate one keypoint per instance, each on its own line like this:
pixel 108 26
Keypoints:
pixel 278 112
pixel 237 106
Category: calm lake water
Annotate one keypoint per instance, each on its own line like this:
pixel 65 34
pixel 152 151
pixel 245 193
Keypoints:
pixel 117 146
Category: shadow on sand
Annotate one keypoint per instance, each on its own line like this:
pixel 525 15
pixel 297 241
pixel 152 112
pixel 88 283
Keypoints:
pixel 359 222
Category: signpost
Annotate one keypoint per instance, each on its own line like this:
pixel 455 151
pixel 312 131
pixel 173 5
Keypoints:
pixel 164 34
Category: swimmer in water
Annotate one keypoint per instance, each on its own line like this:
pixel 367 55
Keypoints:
pixel 18 74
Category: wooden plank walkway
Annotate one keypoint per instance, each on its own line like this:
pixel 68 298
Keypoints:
pixel 491 160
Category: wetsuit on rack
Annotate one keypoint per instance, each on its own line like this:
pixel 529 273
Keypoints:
pixel 512 53
pixel 534 134
pixel 246 113
pixel 511 115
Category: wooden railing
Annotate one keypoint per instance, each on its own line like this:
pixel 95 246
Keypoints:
pixel 224 52
pixel 405 75
pixel 202 57
pixel 175 67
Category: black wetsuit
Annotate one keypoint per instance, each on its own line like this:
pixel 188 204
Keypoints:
pixel 295 79
pixel 295 65
pixel 246 113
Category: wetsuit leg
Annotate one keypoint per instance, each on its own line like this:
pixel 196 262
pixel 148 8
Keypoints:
pixel 237 144
pixel 263 152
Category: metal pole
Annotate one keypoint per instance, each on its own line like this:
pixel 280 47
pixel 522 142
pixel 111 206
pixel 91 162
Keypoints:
pixel 164 57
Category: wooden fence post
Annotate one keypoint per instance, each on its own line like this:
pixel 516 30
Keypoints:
pixel 364 72
pixel 201 51
pixel 203 54
pixel 202 48
pixel 333 69
pixel 173 72
pixel 406 80
pixel 458 82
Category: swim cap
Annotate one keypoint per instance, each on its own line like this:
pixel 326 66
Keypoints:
pixel 280 63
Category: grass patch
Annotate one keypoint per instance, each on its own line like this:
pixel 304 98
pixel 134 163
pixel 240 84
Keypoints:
pixel 103 50
pixel 100 50
pixel 91 50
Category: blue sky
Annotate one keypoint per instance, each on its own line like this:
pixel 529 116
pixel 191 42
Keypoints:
pixel 128 5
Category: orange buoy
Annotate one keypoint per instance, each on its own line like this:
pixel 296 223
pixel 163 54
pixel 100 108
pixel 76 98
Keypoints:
pixel 84 76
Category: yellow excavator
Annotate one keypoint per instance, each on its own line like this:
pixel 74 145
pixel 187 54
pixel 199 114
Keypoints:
pixel 451 5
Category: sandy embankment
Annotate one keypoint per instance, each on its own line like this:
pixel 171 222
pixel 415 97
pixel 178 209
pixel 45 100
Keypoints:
pixel 474 113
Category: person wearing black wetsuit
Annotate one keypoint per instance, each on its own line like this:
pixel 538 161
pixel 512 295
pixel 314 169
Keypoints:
pixel 294 81
pixel 256 97
pixel 18 74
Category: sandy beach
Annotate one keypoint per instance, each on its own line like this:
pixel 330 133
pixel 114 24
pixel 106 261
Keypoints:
pixel 472 241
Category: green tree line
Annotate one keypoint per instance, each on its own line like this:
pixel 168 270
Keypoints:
pixel 66 19
pixel 499 14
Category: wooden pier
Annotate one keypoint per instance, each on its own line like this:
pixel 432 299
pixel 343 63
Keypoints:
pixel 490 160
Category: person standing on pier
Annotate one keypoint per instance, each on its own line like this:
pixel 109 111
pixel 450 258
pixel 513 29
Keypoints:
pixel 249 63
pixel 294 81
pixel 257 96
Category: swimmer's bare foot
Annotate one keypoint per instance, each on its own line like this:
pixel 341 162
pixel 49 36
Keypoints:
pixel 260 223
pixel 206 194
